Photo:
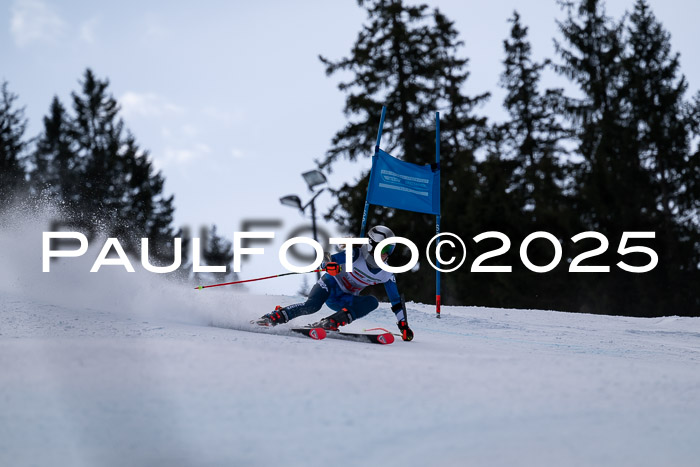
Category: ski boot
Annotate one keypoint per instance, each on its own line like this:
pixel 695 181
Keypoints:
pixel 272 319
pixel 334 321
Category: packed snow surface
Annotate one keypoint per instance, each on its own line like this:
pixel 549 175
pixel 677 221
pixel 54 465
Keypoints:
pixel 115 368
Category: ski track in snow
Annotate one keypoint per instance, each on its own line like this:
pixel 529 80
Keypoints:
pixel 113 369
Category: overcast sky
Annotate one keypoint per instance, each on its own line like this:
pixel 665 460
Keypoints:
pixel 230 98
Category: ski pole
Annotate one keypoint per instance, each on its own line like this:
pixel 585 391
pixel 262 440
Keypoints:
pixel 258 279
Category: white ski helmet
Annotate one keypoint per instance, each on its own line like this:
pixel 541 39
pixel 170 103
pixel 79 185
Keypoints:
pixel 376 234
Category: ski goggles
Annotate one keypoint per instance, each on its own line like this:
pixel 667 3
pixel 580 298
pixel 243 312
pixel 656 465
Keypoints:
pixel 387 250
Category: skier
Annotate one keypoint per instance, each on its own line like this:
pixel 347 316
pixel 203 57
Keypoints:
pixel 340 289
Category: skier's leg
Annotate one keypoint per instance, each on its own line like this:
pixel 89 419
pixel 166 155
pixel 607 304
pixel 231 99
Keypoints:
pixel 362 305
pixel 355 307
pixel 317 297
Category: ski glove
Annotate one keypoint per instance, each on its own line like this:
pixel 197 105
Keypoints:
pixel 332 268
pixel 406 333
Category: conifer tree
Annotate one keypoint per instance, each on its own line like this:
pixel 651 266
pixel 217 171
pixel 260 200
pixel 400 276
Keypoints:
pixel 660 118
pixel 92 164
pixel 120 187
pixel 633 133
pixel 98 132
pixel 606 175
pixel 522 181
pixel 594 62
pixel 404 58
pixel 55 173
pixel 532 136
pixel 462 133
pixel 388 68
pixel 12 147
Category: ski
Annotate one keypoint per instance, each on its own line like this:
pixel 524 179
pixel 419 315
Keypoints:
pixel 312 332
pixel 318 333
pixel 384 338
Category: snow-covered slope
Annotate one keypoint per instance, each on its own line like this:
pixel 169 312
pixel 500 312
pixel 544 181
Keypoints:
pixel 113 369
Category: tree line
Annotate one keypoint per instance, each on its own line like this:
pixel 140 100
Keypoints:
pixel 618 154
pixel 88 164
